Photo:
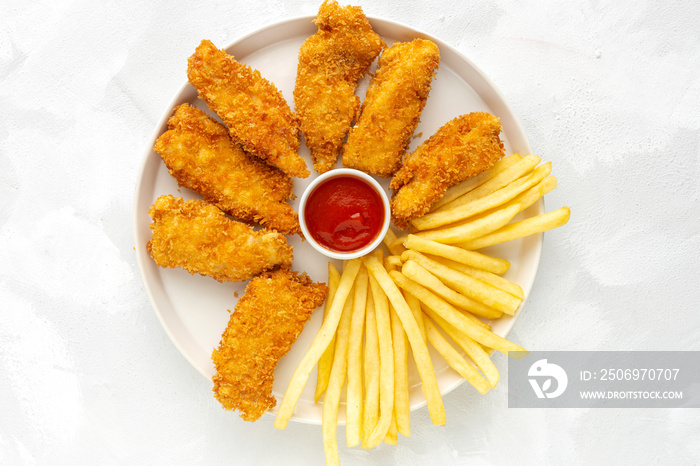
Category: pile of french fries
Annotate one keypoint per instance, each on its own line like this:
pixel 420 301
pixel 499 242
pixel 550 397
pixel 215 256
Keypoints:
pixel 433 288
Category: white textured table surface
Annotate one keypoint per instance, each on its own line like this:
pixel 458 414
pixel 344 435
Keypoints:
pixel 608 91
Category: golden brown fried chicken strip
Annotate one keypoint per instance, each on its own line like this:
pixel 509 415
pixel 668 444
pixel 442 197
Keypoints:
pixel 252 107
pixel 331 63
pixel 198 237
pixel 391 111
pixel 460 149
pixel 201 156
pixel 267 320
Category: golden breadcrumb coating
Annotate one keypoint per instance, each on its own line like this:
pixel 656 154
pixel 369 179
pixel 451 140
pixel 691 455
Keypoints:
pixel 252 107
pixel 201 156
pixel 331 63
pixel 198 237
pixel 391 110
pixel 460 149
pixel 266 322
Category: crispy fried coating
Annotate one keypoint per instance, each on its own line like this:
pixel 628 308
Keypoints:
pixel 391 111
pixel 198 237
pixel 460 149
pixel 266 322
pixel 201 156
pixel 331 63
pixel 252 107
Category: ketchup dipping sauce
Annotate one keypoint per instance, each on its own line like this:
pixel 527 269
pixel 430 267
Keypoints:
pixel 344 213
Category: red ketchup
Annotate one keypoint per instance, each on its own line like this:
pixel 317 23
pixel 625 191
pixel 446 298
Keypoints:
pixel 344 213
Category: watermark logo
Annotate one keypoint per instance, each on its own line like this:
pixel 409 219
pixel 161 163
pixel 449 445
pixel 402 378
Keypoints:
pixel 604 379
pixel 547 372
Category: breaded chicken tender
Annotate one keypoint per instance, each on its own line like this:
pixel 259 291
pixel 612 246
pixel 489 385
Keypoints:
pixel 460 149
pixel 198 237
pixel 252 107
pixel 391 111
pixel 265 323
pixel 331 63
pixel 201 156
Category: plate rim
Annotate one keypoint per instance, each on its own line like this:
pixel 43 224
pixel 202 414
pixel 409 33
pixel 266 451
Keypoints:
pixel 376 22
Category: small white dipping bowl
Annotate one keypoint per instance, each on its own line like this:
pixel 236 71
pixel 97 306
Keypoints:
pixel 332 174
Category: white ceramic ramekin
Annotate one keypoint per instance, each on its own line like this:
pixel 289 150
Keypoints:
pixel 357 174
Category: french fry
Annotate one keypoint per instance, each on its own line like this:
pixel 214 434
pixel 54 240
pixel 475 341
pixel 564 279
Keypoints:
pixel 475 228
pixel 331 401
pixel 386 364
pixel 467 185
pixel 392 261
pixel 326 361
pixel 455 317
pixel 391 437
pixel 507 176
pixel 389 236
pixel 533 194
pixel 474 350
pixel 397 245
pixel 371 372
pixel 473 258
pixel 414 305
pixel 483 204
pixel 402 407
pixel 422 276
pixel 318 345
pixel 353 407
pixel 492 279
pixel 466 284
pixel 454 359
pixel 391 243
pixel 424 364
pixel 529 226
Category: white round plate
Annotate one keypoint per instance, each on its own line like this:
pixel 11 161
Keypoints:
pixel 194 310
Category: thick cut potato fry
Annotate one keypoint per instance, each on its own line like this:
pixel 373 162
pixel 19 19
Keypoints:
pixel 390 242
pixel 392 261
pixel 424 364
pixel 473 258
pixel 474 228
pixel 492 279
pixel 467 185
pixel 389 236
pixel 497 182
pixel 520 229
pixel 474 350
pixel 386 364
pixel 371 370
pixel 318 345
pixel 392 437
pixel 402 407
pixel 483 204
pixel 326 361
pixel 331 401
pixel 454 359
pixel 466 284
pixel 454 316
pixel 422 276
pixel 397 244
pixel 353 408
pixel 414 305
pixel 533 194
